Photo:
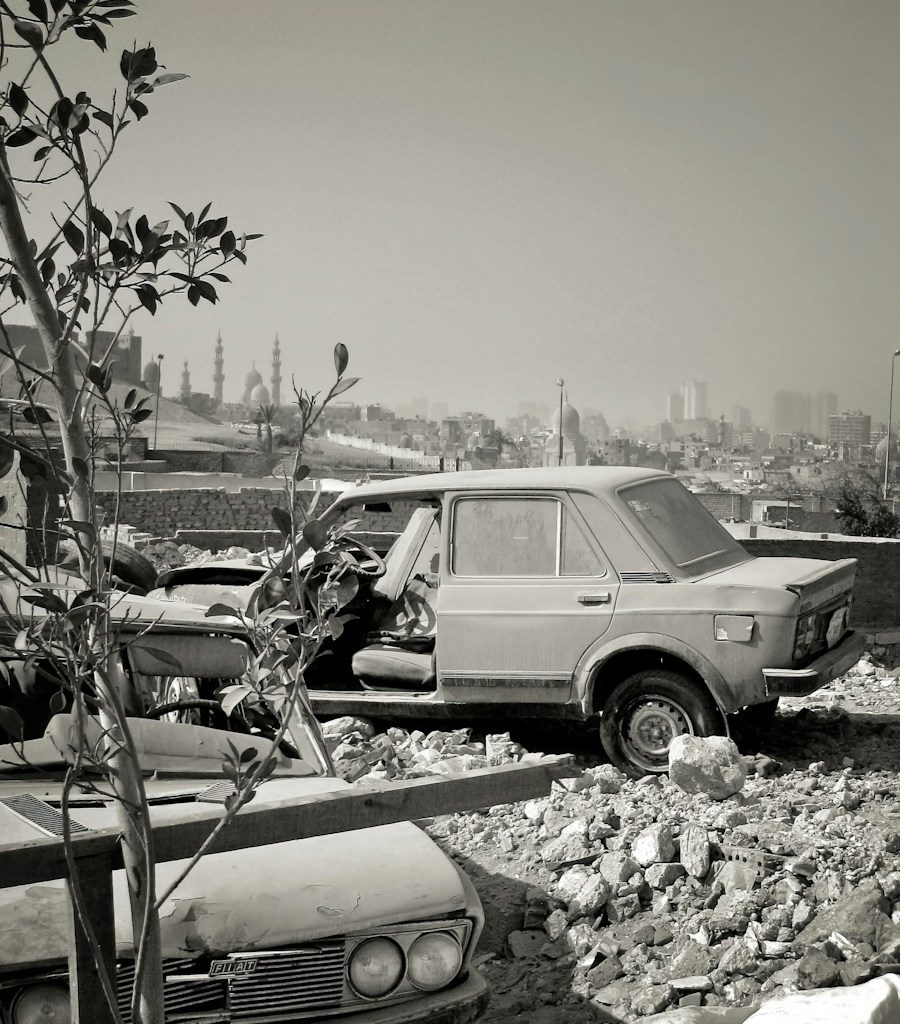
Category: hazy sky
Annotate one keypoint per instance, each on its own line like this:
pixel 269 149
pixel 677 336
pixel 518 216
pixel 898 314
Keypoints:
pixel 479 196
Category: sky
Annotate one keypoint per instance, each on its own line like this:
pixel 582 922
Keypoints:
pixel 480 196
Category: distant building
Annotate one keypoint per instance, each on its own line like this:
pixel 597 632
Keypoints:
pixel 675 407
pixel 823 406
pixel 126 354
pixel 790 412
pixel 370 413
pixel 741 417
pixel 695 397
pixel 567 436
pixel 850 428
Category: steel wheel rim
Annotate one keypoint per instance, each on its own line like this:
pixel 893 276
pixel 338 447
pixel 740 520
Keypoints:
pixel 649 725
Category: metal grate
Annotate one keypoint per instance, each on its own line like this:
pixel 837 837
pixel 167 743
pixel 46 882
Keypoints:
pixel 645 577
pixel 183 996
pixel 217 793
pixel 301 980
pixel 44 817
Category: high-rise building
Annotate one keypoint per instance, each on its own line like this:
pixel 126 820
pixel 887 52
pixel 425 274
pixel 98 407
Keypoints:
pixel 823 405
pixel 790 412
pixel 694 394
pixel 675 407
pixel 185 383
pixel 741 417
pixel 851 428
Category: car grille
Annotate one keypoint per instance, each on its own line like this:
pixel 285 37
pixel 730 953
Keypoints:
pixel 296 981
pixel 182 996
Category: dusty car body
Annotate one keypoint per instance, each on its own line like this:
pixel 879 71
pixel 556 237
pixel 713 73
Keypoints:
pixel 366 926
pixel 570 593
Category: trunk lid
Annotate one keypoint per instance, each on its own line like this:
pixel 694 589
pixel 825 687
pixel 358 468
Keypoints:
pixel 816 582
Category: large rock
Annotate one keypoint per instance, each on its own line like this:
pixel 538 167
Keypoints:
pixel 347 725
pixel 694 850
pixel 617 868
pixel 653 845
pixel 710 765
pixel 857 917
pixel 590 898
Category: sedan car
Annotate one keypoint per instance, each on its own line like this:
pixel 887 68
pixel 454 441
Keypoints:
pixel 593 593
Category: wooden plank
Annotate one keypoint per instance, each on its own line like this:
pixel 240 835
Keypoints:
pixel 363 806
pixel 88 1002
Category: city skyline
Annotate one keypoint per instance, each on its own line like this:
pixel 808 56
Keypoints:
pixel 627 194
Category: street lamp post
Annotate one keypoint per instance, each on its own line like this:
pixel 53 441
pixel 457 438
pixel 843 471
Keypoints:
pixel 159 360
pixel 887 453
pixel 560 384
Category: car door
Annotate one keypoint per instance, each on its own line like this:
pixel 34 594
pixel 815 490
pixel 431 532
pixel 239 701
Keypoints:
pixel 525 590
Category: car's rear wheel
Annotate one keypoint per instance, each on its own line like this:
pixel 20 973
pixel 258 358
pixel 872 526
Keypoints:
pixel 131 570
pixel 645 712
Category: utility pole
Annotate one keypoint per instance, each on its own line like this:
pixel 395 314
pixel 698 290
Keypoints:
pixel 159 360
pixel 560 384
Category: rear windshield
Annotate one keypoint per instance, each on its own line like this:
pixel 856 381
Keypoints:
pixel 690 536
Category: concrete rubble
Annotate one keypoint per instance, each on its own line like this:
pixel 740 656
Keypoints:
pixel 619 899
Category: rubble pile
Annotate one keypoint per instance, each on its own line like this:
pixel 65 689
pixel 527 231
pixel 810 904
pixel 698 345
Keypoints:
pixel 358 752
pixel 739 879
pixel 166 554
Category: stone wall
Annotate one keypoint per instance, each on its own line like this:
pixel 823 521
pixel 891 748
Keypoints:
pixel 877 594
pixel 164 513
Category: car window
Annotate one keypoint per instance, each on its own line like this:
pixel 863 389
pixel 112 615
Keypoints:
pixel 505 537
pixel 578 557
pixel 687 533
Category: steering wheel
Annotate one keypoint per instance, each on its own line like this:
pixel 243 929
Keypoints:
pixel 371 565
pixel 189 704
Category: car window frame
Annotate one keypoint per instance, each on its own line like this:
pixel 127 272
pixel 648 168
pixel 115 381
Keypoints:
pixel 563 507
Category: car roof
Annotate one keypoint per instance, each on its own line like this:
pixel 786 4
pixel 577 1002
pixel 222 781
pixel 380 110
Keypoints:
pixel 599 479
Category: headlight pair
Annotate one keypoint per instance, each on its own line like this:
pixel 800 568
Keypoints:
pixel 378 965
pixel 42 1004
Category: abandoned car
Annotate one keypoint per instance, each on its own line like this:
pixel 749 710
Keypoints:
pixel 376 925
pixel 570 593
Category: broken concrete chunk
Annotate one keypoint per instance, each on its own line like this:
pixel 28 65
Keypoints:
pixel 710 765
pixel 694 851
pixel 660 876
pixel 653 845
pixel 617 868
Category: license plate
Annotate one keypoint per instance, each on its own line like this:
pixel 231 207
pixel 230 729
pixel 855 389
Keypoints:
pixel 836 627
pixel 228 968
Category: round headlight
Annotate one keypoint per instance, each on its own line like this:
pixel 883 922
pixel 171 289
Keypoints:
pixel 376 967
pixel 42 1004
pixel 433 961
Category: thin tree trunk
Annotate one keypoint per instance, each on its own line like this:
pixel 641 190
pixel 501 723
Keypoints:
pixel 125 778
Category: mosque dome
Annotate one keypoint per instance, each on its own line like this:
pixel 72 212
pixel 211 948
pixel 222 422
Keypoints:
pixel 151 375
pixel 571 421
pixel 253 378
pixel 259 395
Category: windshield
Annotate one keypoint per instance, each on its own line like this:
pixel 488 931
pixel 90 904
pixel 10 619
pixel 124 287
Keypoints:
pixel 689 536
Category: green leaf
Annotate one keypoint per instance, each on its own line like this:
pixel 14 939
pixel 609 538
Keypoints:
pixel 74 236
pixel 315 534
pixel 227 243
pixel 282 520
pixel 222 609
pixel 301 473
pixel 343 385
pixel 140 110
pixel 58 702
pixel 81 467
pixel 247 755
pixel 18 98
pixel 29 32
pixel 11 723
pixel 50 602
pixel 97 376
pixel 36 415
pixel 92 33
pixel 193 294
pixel 39 9
pixel 20 137
pixel 230 701
pixel 341 358
pixel 101 222
pixel 141 414
pixel 168 79
pixel 155 652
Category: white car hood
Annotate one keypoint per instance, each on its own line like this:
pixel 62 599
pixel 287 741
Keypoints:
pixel 261 898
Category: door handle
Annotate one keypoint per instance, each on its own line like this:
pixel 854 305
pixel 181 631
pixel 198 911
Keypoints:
pixel 594 597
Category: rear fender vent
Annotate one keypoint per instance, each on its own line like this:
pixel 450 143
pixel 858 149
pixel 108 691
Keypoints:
pixel 44 817
pixel 645 577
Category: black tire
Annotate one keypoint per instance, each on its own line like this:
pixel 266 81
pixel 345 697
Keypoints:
pixel 130 568
pixel 644 713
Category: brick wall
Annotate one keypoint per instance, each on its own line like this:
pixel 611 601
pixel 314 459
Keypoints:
pixel 725 505
pixel 877 594
pixel 163 513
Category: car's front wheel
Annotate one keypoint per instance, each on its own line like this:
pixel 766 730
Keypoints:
pixel 645 712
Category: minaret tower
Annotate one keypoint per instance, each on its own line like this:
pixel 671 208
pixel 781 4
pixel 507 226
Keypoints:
pixel 185 383
pixel 219 375
pixel 276 374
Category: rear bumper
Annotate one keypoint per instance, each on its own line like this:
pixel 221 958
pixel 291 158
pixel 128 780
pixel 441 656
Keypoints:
pixel 798 682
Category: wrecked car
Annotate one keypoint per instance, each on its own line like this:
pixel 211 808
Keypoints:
pixel 567 593
pixel 376 925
